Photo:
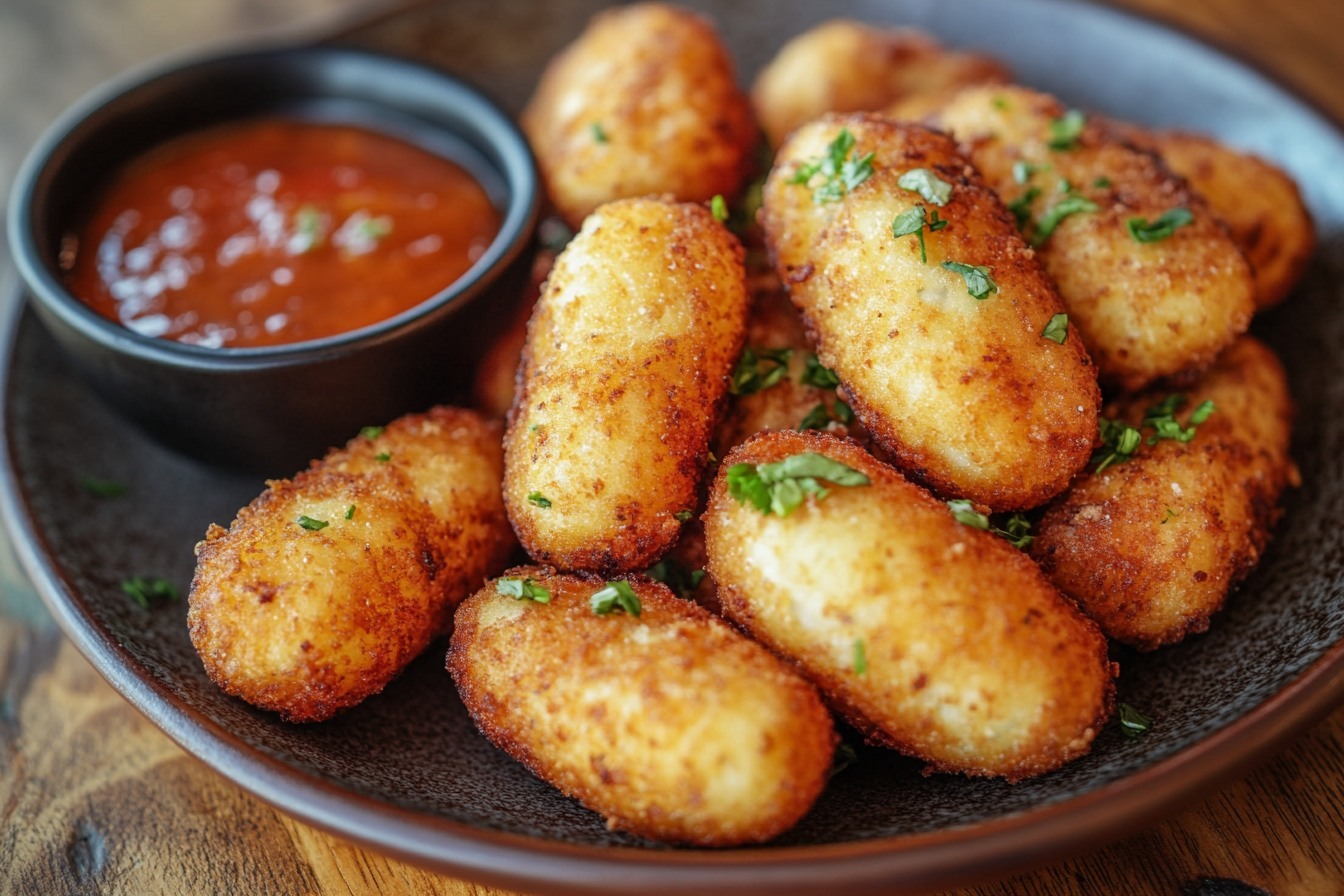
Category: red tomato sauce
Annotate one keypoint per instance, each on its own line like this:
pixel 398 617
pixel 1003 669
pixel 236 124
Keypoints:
pixel 276 231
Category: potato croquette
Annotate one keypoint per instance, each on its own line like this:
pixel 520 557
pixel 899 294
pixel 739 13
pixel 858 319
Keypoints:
pixel 847 66
pixel 1258 201
pixel 1148 274
pixel 1151 546
pixel 949 340
pixel 623 376
pixel 645 101
pixel 664 720
pixel 928 635
pixel 327 585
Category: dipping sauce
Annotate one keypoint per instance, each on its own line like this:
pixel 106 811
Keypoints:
pixel 276 231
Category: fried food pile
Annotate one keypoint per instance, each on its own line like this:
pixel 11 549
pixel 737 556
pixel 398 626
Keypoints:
pixel 904 430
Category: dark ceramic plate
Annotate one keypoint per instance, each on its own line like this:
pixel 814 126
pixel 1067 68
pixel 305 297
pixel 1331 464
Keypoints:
pixel 407 774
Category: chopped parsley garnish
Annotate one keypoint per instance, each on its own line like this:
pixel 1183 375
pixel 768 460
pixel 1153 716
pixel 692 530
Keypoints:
pixel 718 207
pixel 599 133
pixel 309 229
pixel 839 174
pixel 759 369
pixel 144 590
pixel 1057 330
pixel 927 184
pixel 913 221
pixel 1133 723
pixel 1016 529
pixel 1023 170
pixel 616 596
pixel 683 516
pixel 1021 207
pixel 383 457
pixel 1162 420
pixel 676 576
pixel 979 283
pixel 817 375
pixel 1165 225
pixel 102 488
pixel 1102 183
pixel 1169 515
pixel 350 512
pixel 821 416
pixel 372 432
pixel 1071 204
pixel 538 499
pixel 370 230
pixel 1065 130
pixel 522 589
pixel 781 487
pixel 860 657
pixel 312 525
pixel 1119 441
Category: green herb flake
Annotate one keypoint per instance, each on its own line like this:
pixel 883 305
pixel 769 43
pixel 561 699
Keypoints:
pixel 598 133
pixel 372 432
pixel 817 375
pixel 1119 442
pixel 684 516
pixel 1145 231
pixel 102 488
pixel 383 457
pixel 758 369
pixel 860 657
pixel 373 229
pixel 1133 723
pixel 1065 130
pixel 928 185
pixel 144 590
pixel 676 576
pixel 839 174
pixel 309 229
pixel 979 283
pixel 312 525
pixel 1072 204
pixel 350 512
pixel 1057 330
pixel 538 499
pixel 522 589
pixel 1023 170
pixel 1016 529
pixel 1171 514
pixel 781 487
pixel 1102 183
pixel 1161 418
pixel 911 222
pixel 821 416
pixel 1202 412
pixel 616 596
pixel 718 207
pixel 1021 207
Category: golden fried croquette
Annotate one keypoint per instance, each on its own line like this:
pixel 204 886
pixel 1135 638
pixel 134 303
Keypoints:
pixel 847 66
pixel 1149 301
pixel 666 721
pixel 928 635
pixel 1151 546
pixel 941 336
pixel 779 382
pixel 645 101
pixel 327 585
pixel 1258 201
pixel 625 370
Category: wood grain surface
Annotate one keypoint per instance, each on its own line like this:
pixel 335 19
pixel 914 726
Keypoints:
pixel 93 799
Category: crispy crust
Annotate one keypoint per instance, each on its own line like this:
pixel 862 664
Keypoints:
pixel 973 662
pixel 964 394
pixel 622 379
pixel 670 724
pixel 308 622
pixel 1150 548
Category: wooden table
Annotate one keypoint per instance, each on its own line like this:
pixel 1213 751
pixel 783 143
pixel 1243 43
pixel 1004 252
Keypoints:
pixel 95 799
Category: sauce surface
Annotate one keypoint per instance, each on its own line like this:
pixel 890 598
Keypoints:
pixel 276 231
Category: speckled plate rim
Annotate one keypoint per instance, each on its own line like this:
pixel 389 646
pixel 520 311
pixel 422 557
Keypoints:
pixel 916 863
